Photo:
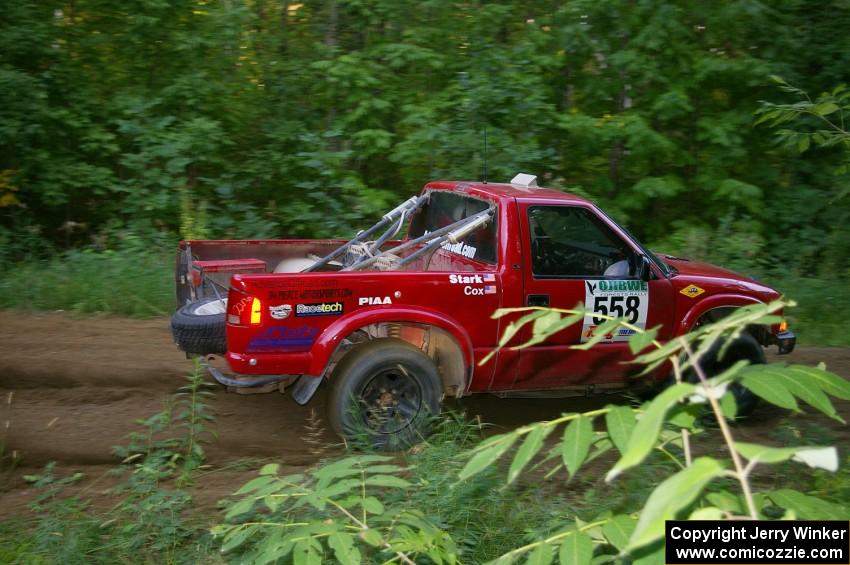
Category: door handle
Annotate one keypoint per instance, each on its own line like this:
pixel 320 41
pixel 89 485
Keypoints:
pixel 538 300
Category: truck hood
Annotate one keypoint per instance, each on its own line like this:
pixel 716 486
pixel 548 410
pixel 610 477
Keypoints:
pixel 688 268
pixel 721 279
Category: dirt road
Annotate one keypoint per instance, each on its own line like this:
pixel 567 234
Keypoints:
pixel 71 389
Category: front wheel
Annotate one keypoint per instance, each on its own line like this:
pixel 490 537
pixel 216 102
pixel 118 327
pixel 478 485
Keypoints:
pixel 386 392
pixel 719 358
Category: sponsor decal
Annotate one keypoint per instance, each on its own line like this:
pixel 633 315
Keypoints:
pixel 461 249
pixel 373 300
pixel 280 312
pixel 310 293
pixel 318 309
pixel 609 287
pixel 627 299
pixel 621 332
pixel 692 291
pixel 294 282
pixel 284 294
pixel 283 338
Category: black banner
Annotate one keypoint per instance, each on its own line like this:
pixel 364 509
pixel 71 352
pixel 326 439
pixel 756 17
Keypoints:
pixel 761 542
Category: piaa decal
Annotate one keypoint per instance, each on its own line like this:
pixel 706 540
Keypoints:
pixel 372 300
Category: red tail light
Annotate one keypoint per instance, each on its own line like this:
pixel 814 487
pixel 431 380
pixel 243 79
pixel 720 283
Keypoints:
pixel 244 309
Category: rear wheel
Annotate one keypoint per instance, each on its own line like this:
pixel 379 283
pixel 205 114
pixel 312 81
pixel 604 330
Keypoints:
pixel 385 392
pixel 198 327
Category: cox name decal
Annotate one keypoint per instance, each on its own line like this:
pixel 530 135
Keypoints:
pixel 479 290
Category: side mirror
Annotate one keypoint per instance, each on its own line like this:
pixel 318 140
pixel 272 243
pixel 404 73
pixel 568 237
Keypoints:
pixel 644 268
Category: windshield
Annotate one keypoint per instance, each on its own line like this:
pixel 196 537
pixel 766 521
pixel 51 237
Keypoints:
pixel 445 208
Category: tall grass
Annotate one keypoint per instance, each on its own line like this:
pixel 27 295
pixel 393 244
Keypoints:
pixel 822 311
pixel 129 283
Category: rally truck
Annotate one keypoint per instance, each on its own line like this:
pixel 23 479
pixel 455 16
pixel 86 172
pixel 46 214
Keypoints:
pixel 396 323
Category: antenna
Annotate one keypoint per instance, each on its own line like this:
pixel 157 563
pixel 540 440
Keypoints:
pixel 485 154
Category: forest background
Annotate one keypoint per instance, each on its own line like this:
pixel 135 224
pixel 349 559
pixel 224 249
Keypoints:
pixel 125 126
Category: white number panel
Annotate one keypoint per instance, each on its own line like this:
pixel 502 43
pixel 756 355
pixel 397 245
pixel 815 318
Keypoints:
pixel 628 299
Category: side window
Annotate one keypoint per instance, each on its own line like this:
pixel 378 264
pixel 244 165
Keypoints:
pixel 571 242
pixel 444 208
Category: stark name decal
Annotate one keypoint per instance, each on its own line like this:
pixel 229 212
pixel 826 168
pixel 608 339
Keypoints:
pixel 472 279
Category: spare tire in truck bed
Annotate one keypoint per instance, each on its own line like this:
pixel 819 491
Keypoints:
pixel 198 327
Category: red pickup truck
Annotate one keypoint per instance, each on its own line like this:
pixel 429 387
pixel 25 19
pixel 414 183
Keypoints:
pixel 394 325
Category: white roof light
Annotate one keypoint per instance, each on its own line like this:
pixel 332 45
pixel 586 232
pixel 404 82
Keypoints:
pixel 526 180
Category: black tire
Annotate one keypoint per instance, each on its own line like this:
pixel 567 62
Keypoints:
pixel 386 392
pixel 745 347
pixel 199 329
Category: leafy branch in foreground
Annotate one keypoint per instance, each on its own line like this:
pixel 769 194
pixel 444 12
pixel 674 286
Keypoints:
pixel 360 509
pixel 333 510
pixel 667 424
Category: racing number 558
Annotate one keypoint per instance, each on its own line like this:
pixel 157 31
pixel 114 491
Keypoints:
pixel 613 306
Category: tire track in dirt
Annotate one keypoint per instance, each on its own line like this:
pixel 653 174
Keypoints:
pixel 78 387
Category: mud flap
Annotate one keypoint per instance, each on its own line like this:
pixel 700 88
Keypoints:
pixel 304 389
pixel 244 382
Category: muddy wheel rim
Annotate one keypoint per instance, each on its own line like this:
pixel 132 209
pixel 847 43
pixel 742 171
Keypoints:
pixel 390 401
